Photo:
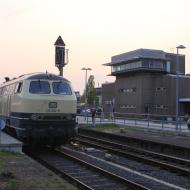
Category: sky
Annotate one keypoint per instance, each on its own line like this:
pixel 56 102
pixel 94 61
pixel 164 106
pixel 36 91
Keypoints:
pixel 93 31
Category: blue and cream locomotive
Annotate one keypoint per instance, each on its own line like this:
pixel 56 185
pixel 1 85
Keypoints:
pixel 39 108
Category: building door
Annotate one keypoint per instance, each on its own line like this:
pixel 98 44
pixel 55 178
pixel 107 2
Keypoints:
pixel 185 108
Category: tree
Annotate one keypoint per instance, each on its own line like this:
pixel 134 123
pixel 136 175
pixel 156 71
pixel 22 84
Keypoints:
pixel 91 92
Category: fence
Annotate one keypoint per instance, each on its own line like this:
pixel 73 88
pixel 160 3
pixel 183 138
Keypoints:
pixel 165 122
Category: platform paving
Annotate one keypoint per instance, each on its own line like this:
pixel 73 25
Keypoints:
pixel 159 137
pixel 9 143
pixel 158 126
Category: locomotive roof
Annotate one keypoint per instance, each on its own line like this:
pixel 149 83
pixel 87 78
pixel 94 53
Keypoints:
pixel 37 76
pixel 42 76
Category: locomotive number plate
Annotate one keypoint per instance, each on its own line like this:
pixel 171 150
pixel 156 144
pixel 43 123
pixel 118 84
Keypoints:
pixel 52 104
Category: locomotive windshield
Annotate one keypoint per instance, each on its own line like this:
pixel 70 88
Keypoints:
pixel 39 87
pixel 61 88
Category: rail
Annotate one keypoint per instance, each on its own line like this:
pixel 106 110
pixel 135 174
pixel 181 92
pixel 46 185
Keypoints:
pixel 172 163
pixel 85 175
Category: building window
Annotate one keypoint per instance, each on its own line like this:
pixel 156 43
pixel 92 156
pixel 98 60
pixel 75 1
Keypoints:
pixel 127 66
pixel 160 107
pixel 126 106
pixel 154 64
pixel 123 67
pixel 108 102
pixel 127 90
pixel 161 89
pixel 149 64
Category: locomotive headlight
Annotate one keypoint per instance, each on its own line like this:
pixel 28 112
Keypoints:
pixel 34 117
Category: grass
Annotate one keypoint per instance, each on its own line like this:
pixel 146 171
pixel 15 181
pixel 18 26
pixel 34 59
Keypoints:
pixel 124 129
pixel 2 166
pixel 12 184
pixel 10 154
pixel 5 155
pixel 115 128
pixel 33 183
pixel 103 126
pixel 30 182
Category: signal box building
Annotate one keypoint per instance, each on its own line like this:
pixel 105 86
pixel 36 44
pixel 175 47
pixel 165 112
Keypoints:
pixel 146 83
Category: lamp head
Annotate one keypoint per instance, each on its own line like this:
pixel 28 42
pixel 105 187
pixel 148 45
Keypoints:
pixel 181 47
pixel 86 68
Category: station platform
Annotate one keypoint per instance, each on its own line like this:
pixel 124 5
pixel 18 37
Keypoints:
pixel 162 137
pixel 8 143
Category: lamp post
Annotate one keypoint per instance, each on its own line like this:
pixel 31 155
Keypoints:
pixel 86 70
pixel 177 85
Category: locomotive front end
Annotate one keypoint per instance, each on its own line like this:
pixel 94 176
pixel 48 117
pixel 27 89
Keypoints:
pixel 46 111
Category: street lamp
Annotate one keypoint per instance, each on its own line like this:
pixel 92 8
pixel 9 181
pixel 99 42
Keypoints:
pixel 86 70
pixel 177 85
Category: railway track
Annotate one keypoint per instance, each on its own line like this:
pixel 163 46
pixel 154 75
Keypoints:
pixel 83 174
pixel 159 146
pixel 174 164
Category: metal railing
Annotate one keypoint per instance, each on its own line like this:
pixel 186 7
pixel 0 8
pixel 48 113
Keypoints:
pixel 163 122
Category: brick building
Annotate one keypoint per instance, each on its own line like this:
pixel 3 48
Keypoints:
pixel 146 83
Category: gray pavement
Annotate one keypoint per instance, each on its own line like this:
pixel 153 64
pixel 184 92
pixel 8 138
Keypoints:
pixel 8 143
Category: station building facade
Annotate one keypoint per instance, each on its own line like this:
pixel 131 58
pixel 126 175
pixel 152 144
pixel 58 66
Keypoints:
pixel 146 83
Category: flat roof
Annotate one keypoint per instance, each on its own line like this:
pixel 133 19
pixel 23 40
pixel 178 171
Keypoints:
pixel 184 100
pixel 139 54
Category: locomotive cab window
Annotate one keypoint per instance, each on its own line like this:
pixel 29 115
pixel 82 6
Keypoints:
pixel 61 88
pixel 18 88
pixel 39 87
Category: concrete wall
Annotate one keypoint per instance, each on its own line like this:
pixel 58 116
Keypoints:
pixel 146 93
pixel 173 60
pixel 108 94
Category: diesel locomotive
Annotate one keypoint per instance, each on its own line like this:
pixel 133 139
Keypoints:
pixel 39 108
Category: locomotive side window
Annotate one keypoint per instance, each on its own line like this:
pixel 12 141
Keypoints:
pixel 39 87
pixel 18 88
pixel 61 88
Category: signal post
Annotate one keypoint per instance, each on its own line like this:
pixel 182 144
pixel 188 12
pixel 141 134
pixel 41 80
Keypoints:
pixel 61 55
